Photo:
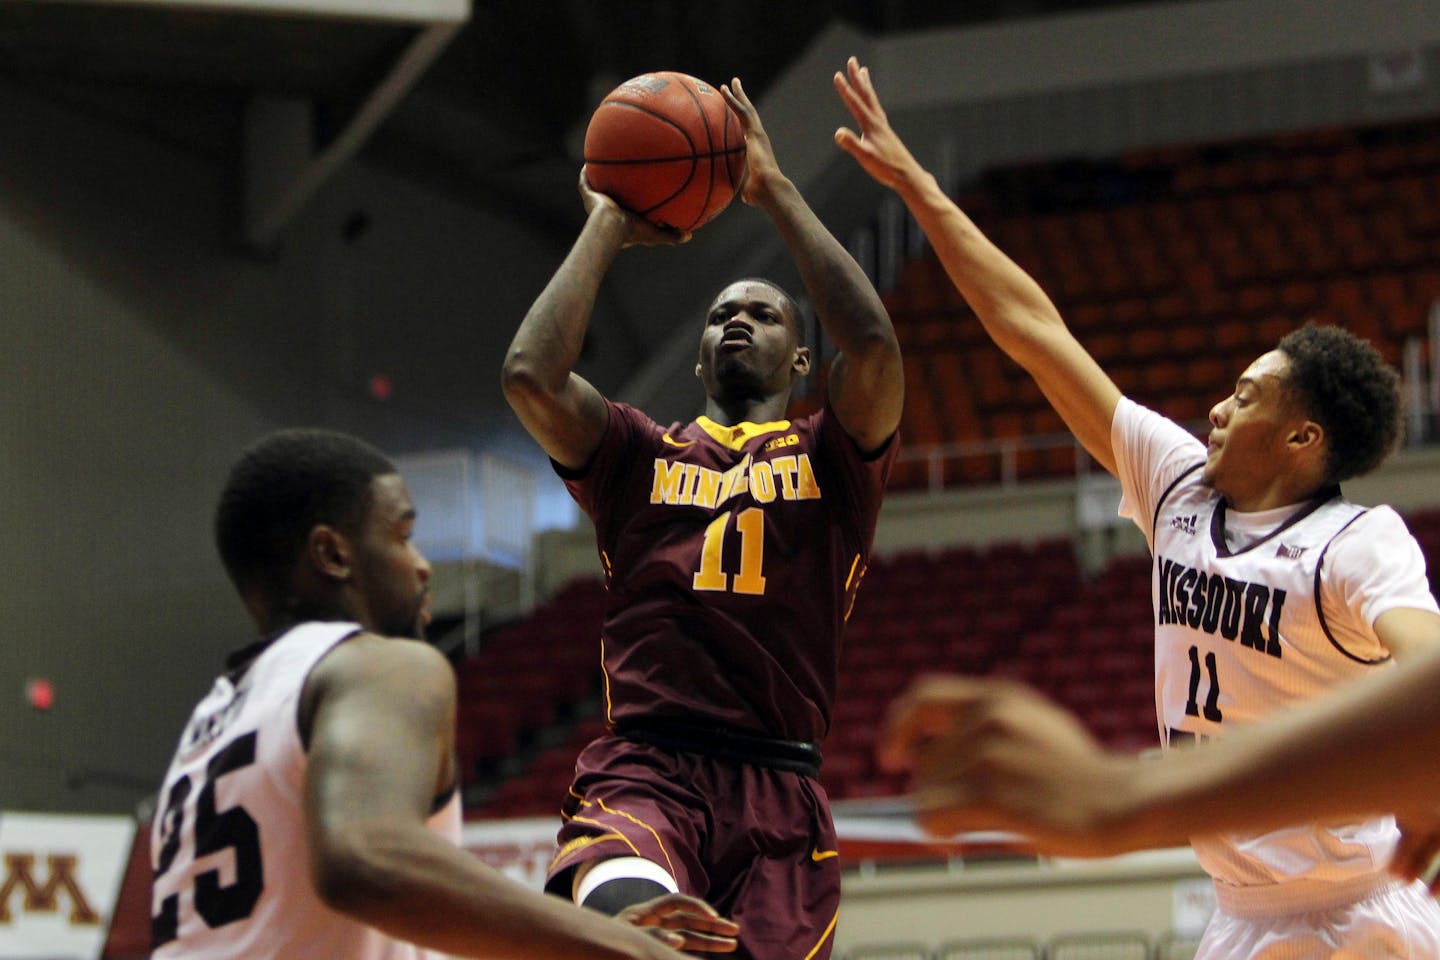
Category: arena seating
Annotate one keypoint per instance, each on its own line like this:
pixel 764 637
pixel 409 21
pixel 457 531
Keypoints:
pixel 1015 610
pixel 1175 267
pixel 530 677
pixel 1099 946
pixel 1009 948
pixel 1119 945
pixel 917 613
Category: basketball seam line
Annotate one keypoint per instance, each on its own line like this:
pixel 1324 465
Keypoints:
pixel 710 141
pixel 675 159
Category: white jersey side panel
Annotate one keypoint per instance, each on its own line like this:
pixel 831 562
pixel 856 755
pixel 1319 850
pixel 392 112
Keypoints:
pixel 229 848
pixel 1247 630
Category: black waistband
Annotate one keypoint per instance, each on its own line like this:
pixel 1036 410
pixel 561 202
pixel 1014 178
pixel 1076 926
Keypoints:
pixel 724 743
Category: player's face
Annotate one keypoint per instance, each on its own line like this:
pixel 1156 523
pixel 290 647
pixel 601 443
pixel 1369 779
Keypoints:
pixel 1249 430
pixel 390 571
pixel 750 344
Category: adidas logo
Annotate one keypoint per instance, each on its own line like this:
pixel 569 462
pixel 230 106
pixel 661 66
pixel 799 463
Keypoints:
pixel 1185 525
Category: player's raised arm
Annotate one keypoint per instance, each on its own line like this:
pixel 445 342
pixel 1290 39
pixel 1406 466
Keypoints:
pixel 1016 313
pixel 563 412
pixel 867 382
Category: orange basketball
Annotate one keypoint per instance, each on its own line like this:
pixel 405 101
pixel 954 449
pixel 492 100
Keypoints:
pixel 666 146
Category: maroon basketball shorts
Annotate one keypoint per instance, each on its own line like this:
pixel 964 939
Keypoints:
pixel 756 843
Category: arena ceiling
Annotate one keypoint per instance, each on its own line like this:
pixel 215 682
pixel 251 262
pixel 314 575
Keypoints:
pixel 485 101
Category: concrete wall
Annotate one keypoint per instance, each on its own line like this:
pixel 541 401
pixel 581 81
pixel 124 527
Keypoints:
pixel 142 351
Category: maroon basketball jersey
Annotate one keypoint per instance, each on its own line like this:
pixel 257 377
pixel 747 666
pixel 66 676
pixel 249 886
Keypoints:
pixel 732 555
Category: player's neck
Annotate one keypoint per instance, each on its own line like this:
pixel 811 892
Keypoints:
pixel 728 413
pixel 293 611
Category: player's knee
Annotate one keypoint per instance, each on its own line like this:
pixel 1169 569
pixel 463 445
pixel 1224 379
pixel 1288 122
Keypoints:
pixel 610 886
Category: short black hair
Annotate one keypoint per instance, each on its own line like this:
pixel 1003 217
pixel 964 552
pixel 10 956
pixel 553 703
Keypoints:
pixel 280 489
pixel 1347 387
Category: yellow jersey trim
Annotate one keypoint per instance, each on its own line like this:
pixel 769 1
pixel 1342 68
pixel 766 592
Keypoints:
pixel 737 436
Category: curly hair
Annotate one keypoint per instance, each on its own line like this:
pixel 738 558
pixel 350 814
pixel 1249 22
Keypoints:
pixel 1348 388
pixel 280 489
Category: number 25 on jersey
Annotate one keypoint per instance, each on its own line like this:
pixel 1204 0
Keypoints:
pixel 213 831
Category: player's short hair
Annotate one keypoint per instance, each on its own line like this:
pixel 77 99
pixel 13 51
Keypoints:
pixel 281 488
pixel 1347 387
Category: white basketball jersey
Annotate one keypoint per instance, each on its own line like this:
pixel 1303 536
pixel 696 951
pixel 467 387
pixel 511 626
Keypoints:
pixel 1256 613
pixel 229 847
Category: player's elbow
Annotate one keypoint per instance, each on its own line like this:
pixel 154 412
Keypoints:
pixel 349 873
pixel 877 346
pixel 522 380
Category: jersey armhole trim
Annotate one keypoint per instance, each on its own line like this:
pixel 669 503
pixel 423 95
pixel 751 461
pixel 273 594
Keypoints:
pixel 1160 503
pixel 1320 604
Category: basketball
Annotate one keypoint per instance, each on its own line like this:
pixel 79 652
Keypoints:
pixel 666 146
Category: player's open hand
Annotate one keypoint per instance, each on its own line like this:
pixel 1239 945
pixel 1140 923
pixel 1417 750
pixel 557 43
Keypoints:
pixel 762 170
pixel 877 148
pixel 638 230
pixel 684 923
pixel 993 755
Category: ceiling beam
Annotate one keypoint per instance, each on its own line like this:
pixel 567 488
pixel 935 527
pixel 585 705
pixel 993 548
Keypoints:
pixel 384 11
pixel 284 167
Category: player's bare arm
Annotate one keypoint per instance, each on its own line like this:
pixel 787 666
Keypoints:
pixel 1408 633
pixel 994 755
pixel 867 385
pixel 369 791
pixel 1013 308
pixel 563 412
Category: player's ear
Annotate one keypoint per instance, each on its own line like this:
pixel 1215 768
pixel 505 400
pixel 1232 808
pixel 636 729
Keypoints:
pixel 697 371
pixel 1308 434
pixel 328 551
pixel 801 363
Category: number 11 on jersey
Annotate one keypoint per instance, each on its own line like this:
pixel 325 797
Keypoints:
pixel 750 524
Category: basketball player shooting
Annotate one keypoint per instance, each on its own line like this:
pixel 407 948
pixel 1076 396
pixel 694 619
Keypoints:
pixel 733 547
pixel 1270 587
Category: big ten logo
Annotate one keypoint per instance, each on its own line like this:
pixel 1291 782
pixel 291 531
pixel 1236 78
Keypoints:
pixel 39 887
pixel 525 862
pixel 785 441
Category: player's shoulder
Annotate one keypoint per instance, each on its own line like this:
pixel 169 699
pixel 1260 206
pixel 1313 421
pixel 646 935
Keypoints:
pixel 823 427
pixel 1380 521
pixel 1137 423
pixel 1372 540
pixel 374 674
pixel 812 420
pixel 626 419
pixel 369 658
